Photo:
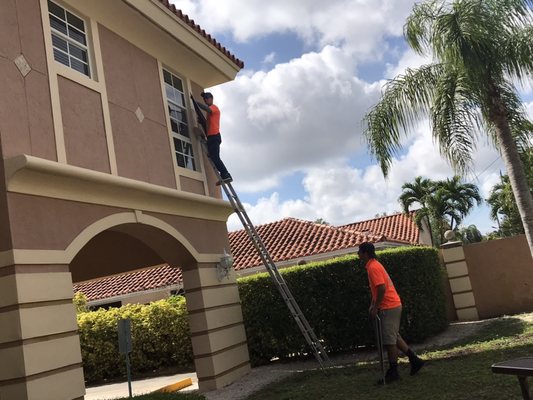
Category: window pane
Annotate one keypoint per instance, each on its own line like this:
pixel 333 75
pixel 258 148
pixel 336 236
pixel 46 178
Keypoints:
pixel 59 43
pixel 174 126
pixel 167 77
pixel 58 25
pixel 177 83
pixel 170 93
pixel 75 21
pixel 189 161
pixel 183 130
pixel 80 54
pixel 56 10
pixel 61 57
pixel 76 35
pixel 79 66
pixel 181 160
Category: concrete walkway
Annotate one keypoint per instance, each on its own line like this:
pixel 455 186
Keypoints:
pixel 118 390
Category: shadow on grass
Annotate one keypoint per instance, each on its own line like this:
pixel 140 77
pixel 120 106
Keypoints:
pixel 500 328
pixel 458 378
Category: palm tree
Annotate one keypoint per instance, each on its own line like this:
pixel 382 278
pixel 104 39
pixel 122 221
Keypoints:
pixel 439 200
pixel 460 197
pixel 470 234
pixel 479 48
pixel 502 204
pixel 418 193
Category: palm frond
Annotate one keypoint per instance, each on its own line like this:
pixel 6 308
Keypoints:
pixel 455 117
pixel 405 99
pixel 518 53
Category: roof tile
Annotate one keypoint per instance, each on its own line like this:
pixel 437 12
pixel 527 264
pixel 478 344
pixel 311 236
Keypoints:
pixel 397 228
pixel 292 238
pixel 185 18
pixel 131 282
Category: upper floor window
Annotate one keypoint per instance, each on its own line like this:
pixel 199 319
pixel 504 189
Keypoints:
pixel 69 39
pixel 177 110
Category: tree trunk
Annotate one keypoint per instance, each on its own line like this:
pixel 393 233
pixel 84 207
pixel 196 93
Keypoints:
pixel 513 163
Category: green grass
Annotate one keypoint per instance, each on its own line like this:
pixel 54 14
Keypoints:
pixel 460 371
pixel 166 396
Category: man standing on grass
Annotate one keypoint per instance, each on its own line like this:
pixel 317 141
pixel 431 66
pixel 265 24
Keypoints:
pixel 387 303
pixel 213 135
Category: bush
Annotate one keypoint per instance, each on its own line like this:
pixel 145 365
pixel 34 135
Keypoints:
pixel 160 338
pixel 334 296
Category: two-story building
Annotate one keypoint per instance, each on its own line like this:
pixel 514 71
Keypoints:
pixel 102 173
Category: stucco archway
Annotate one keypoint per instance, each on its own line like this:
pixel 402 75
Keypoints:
pixel 128 241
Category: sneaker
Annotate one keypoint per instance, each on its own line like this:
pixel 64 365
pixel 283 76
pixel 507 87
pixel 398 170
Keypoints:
pixel 391 376
pixel 416 365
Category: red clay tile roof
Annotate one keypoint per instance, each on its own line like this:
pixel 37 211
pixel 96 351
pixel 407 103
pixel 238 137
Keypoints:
pixel 202 32
pixel 131 282
pixel 292 238
pixel 397 228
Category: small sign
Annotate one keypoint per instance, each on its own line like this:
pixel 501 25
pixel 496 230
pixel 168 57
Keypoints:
pixel 124 336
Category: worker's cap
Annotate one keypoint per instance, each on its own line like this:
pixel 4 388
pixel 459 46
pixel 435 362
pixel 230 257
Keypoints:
pixel 206 95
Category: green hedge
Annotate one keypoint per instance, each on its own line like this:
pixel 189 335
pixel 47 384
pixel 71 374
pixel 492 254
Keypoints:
pixel 334 297
pixel 160 338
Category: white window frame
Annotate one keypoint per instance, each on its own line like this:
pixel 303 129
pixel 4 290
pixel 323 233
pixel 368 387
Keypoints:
pixel 191 161
pixel 70 41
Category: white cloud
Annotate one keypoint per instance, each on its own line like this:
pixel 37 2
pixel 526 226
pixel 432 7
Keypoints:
pixel 341 194
pixel 409 59
pixel 269 58
pixel 299 114
pixel 358 25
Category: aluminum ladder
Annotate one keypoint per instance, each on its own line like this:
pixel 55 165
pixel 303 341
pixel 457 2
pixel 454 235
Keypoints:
pixel 308 333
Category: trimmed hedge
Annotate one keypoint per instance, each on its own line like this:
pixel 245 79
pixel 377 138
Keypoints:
pixel 160 338
pixel 334 297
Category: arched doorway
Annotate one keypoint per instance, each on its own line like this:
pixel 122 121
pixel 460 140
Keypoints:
pixel 117 244
pixel 56 240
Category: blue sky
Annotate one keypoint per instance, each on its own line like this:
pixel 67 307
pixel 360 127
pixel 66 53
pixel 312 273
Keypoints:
pixel 291 121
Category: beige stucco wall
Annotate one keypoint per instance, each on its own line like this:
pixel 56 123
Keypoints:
pixel 83 126
pixel 142 148
pixel 501 275
pixel 25 108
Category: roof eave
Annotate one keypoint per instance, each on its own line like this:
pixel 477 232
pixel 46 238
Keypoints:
pixel 220 59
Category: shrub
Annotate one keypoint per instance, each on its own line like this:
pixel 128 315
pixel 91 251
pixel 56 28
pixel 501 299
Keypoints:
pixel 160 338
pixel 334 296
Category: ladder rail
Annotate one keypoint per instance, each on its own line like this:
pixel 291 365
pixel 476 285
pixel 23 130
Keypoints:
pixel 280 283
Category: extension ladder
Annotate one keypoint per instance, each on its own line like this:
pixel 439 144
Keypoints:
pixel 279 281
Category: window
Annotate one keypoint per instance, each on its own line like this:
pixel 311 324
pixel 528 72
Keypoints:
pixel 69 39
pixel 177 110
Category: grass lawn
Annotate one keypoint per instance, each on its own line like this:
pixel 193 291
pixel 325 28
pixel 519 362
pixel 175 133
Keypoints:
pixel 461 371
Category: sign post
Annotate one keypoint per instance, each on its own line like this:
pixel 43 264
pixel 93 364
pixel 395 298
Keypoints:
pixel 124 346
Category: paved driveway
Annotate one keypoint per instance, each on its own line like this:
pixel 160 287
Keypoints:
pixel 138 387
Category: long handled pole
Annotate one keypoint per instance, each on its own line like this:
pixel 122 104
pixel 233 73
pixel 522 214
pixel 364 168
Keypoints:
pixel 379 343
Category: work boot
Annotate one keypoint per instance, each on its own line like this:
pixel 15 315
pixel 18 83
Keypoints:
pixel 390 376
pixel 416 362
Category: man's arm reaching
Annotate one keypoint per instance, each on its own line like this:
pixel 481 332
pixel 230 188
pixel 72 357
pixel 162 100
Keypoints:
pixel 205 108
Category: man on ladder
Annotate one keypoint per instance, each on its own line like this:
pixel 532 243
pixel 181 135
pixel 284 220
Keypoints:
pixel 312 340
pixel 213 135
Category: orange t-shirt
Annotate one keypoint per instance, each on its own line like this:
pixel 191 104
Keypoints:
pixel 213 120
pixel 377 275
